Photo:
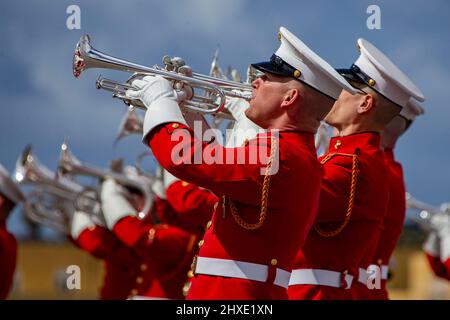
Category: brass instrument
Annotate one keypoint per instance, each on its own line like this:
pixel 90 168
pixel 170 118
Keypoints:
pixel 70 165
pixel 211 102
pixel 426 212
pixel 52 201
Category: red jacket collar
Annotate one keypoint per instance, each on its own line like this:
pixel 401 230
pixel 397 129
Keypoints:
pixel 389 154
pixel 349 143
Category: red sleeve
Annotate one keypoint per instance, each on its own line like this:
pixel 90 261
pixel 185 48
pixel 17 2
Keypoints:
pixel 148 241
pixel 335 191
pixel 192 205
pixel 180 152
pixel 8 256
pixel 440 269
pixel 103 244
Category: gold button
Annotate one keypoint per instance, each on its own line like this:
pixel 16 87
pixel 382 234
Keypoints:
pixel 337 144
pixel 144 267
pixel 186 287
pixel 194 264
pixel 184 184
pixel 279 36
pixel 175 125
pixel 274 262
pixel 151 234
pixel 190 274
pixel 208 225
pixel 297 73
pixel 139 280
pixel 200 243
pixel 371 82
pixel 134 292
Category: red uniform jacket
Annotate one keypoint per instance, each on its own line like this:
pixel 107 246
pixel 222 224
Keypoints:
pixel 392 228
pixel 168 251
pixel 192 207
pixel 8 255
pixel 292 200
pixel 344 251
pixel 125 274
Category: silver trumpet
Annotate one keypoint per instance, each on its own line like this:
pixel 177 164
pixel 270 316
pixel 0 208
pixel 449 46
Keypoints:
pixel 44 207
pixel 426 212
pixel 54 207
pixel 52 201
pixel 132 123
pixel 211 102
pixel 70 165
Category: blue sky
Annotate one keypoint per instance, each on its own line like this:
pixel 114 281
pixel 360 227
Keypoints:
pixel 42 102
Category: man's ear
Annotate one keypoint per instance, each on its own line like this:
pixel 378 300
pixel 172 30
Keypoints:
pixel 367 104
pixel 291 96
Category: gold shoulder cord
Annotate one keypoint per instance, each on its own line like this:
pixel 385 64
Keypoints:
pixel 264 196
pixel 355 171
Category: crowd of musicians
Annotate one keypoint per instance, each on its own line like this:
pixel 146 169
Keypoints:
pixel 293 223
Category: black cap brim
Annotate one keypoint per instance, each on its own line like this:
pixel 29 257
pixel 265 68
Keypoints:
pixel 349 75
pixel 270 67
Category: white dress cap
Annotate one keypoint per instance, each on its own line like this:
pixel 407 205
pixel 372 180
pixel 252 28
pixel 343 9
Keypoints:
pixel 294 59
pixel 380 73
pixel 412 109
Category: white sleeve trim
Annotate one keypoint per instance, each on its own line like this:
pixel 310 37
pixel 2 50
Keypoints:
pixel 80 222
pixel 163 110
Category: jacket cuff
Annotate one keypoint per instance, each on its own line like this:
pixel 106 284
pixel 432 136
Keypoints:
pixel 163 110
pixel 445 247
pixel 169 179
pixel 116 208
pixel 80 222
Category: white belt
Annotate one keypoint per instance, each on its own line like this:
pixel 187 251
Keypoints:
pixel 319 277
pixel 363 276
pixel 240 269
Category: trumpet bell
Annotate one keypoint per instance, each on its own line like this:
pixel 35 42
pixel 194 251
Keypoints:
pixel 30 170
pixel 131 123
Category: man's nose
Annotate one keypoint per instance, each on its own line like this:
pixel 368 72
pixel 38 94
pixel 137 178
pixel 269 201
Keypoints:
pixel 256 83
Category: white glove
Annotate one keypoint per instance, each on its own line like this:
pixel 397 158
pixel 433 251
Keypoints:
pixel 80 222
pixel 432 245
pixel 236 107
pixel 152 88
pixel 439 221
pixel 444 235
pixel 169 179
pixel 161 101
pixel 158 189
pixel 114 204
